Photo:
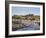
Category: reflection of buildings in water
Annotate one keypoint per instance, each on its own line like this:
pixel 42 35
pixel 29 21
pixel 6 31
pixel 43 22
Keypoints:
pixel 36 22
pixel 25 24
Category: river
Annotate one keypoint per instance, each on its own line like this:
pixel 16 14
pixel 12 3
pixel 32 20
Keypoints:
pixel 30 27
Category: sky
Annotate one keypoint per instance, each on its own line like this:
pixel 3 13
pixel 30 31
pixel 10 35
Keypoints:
pixel 25 10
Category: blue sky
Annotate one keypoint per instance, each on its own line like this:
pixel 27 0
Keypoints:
pixel 25 10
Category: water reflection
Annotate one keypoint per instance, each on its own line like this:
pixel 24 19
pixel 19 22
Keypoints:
pixel 28 26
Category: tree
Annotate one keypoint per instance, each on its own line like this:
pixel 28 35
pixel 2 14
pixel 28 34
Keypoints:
pixel 18 17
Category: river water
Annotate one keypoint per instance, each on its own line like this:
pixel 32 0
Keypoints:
pixel 30 27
